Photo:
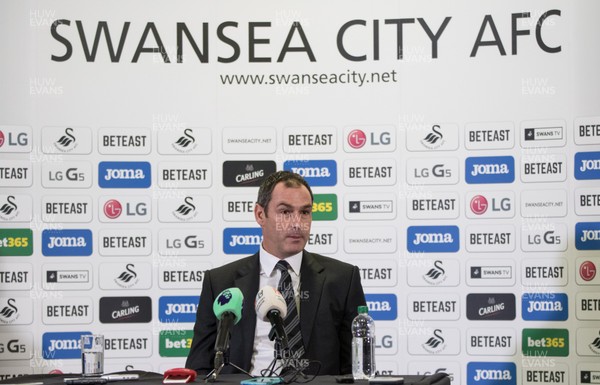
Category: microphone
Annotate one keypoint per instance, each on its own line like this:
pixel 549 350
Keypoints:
pixel 228 310
pixel 270 306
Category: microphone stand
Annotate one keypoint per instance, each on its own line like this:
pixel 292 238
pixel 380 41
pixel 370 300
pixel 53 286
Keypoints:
pixel 221 360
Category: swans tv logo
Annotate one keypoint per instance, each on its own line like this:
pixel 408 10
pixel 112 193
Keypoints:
pixel 545 307
pixel 66 243
pixel 125 309
pixel 315 172
pixel 492 169
pixel 382 307
pixel 246 173
pixel 587 165
pixel 15 139
pixel 241 240
pixel 587 236
pixel 491 373
pixel 124 175
pixel 67 140
pixel 433 239
pixel 16 208
pixel 59 346
pixel 178 309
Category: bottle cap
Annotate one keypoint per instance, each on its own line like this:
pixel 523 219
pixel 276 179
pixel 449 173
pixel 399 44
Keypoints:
pixel 363 310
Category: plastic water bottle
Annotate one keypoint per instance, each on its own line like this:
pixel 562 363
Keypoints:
pixel 363 345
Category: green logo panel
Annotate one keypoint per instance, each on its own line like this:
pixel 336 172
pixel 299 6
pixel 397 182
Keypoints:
pixel 175 343
pixel 16 242
pixel 324 207
pixel 545 342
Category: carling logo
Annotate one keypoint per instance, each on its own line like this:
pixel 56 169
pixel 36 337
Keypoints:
pixel 124 175
pixel 432 239
pixel 246 173
pixel 587 165
pixel 316 172
pixel 491 373
pixel 241 240
pixel 490 307
pixel 490 169
pixel 58 346
pixel 545 306
pixel 587 236
pixel 125 309
pixel 66 243
pixel 382 307
pixel 178 308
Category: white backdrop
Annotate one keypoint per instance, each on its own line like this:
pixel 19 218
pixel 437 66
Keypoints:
pixel 445 143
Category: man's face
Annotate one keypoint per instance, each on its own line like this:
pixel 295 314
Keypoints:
pixel 286 223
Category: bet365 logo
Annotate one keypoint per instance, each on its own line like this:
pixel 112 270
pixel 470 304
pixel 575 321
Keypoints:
pixel 324 207
pixel 175 343
pixel 16 242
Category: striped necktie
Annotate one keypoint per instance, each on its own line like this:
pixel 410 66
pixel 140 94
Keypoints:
pixel 292 320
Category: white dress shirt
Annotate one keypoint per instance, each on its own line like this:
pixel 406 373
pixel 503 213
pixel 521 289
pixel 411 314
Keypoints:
pixel 264 349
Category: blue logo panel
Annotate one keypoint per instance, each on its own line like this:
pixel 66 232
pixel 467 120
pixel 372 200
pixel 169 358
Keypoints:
pixel 315 172
pixel 65 345
pixel 178 308
pixel 432 239
pixel 67 243
pixel 545 307
pixel 382 307
pixel 241 240
pixel 490 169
pixel 124 175
pixel 587 165
pixel 491 373
pixel 587 236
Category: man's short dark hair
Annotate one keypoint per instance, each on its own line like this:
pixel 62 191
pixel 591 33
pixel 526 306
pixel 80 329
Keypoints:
pixel 290 179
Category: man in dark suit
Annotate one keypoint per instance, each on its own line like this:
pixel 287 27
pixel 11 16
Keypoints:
pixel 327 291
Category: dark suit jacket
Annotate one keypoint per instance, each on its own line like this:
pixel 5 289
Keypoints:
pixel 330 294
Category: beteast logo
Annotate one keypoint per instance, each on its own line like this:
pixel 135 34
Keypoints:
pixel 552 169
pixel 16 173
pixel 250 173
pixel 124 141
pixel 433 205
pixel 370 172
pixel 178 308
pixel 587 236
pixel 491 307
pixel 587 201
pixel 491 373
pixel 241 240
pixel 66 243
pixel 15 139
pixel 587 165
pixel 370 139
pixel 315 172
pixel 188 277
pixel 58 208
pixel 124 175
pixel 79 310
pixel 59 346
pixel 488 136
pixel 382 307
pixel 587 271
pixel 125 309
pixel 16 276
pixel 490 169
pixel 432 239
pixel 545 306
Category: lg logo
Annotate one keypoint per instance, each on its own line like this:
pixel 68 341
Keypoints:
pixel 370 139
pixel 357 139
pixel 479 204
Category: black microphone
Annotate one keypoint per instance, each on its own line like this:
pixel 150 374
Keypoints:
pixel 270 306
pixel 228 310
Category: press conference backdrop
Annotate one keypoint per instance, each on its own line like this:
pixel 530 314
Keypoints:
pixel 453 148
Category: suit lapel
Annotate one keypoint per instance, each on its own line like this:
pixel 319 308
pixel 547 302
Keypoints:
pixel 312 277
pixel 247 281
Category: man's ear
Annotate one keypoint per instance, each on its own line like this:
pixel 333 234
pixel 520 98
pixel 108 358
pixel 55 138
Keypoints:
pixel 259 214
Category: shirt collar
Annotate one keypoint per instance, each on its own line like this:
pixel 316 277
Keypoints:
pixel 268 262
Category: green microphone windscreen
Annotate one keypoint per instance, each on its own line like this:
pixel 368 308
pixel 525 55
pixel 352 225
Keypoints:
pixel 230 300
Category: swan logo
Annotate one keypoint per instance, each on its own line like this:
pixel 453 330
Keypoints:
pixel 434 139
pixel 187 210
pixel 436 343
pixel 9 312
pixel 67 142
pixel 436 274
pixel 186 142
pixel 128 277
pixel 9 210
